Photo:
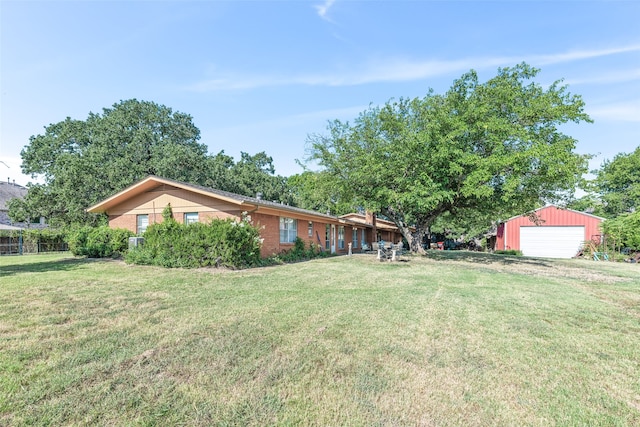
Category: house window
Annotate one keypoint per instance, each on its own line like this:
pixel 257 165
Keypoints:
pixel 288 230
pixel 354 238
pixel 310 229
pixel 190 217
pixel 363 240
pixel 341 237
pixel 142 223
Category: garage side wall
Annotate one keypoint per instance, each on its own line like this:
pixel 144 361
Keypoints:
pixel 509 233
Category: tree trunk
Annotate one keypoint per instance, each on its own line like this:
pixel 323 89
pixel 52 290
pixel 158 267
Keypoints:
pixel 416 238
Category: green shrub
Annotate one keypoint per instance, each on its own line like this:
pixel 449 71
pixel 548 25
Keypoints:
pixel 98 242
pixel 222 242
pixel 77 240
pixel 300 252
pixel 137 255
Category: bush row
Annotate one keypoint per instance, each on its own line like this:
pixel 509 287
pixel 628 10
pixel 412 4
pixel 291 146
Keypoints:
pixel 222 242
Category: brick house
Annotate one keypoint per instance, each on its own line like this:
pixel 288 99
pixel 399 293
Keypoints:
pixel 141 204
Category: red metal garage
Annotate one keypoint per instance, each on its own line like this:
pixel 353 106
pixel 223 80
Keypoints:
pixel 556 233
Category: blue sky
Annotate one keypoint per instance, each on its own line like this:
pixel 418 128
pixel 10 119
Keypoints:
pixel 262 75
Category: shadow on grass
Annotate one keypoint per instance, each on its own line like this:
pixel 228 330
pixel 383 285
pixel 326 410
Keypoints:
pixel 485 258
pixel 65 264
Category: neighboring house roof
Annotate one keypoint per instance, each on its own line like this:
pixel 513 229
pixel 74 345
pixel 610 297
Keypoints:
pixel 251 202
pixel 10 191
pixel 381 224
pixel 556 207
pixel 8 227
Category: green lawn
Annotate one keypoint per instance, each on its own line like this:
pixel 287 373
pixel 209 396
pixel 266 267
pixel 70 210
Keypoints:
pixel 456 338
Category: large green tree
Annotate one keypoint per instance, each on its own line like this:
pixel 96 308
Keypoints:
pixel 481 151
pixel 82 162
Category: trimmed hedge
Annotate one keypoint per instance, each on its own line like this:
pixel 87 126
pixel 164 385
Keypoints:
pixel 219 243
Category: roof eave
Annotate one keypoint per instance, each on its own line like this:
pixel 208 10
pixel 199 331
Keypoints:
pixel 147 184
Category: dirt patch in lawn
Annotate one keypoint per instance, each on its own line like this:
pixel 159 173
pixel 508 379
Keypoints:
pixel 529 266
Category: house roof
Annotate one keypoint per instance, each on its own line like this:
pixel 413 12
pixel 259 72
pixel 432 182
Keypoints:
pixel 10 191
pixel 151 182
pixel 557 207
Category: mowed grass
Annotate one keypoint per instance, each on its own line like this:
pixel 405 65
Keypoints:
pixel 455 338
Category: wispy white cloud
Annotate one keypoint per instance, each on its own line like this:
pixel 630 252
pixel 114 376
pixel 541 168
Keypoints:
pixel 618 76
pixel 624 111
pixel 399 70
pixel 323 9
pixel 577 55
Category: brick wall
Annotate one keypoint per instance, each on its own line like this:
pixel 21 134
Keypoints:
pixel 123 221
pixel 269 231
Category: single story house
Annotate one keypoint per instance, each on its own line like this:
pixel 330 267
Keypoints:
pixel 141 204
pixel 548 232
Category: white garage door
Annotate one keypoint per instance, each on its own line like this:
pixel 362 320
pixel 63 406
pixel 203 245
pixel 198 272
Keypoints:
pixel 551 242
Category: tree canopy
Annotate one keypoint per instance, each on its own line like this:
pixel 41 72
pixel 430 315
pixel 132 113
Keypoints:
pixel 617 184
pixel 256 174
pixel 316 191
pixel 479 152
pixel 83 162
pixel 623 230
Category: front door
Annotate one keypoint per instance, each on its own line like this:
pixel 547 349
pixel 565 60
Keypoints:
pixel 333 239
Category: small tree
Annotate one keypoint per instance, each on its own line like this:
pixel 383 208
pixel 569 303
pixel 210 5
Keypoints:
pixel 167 213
